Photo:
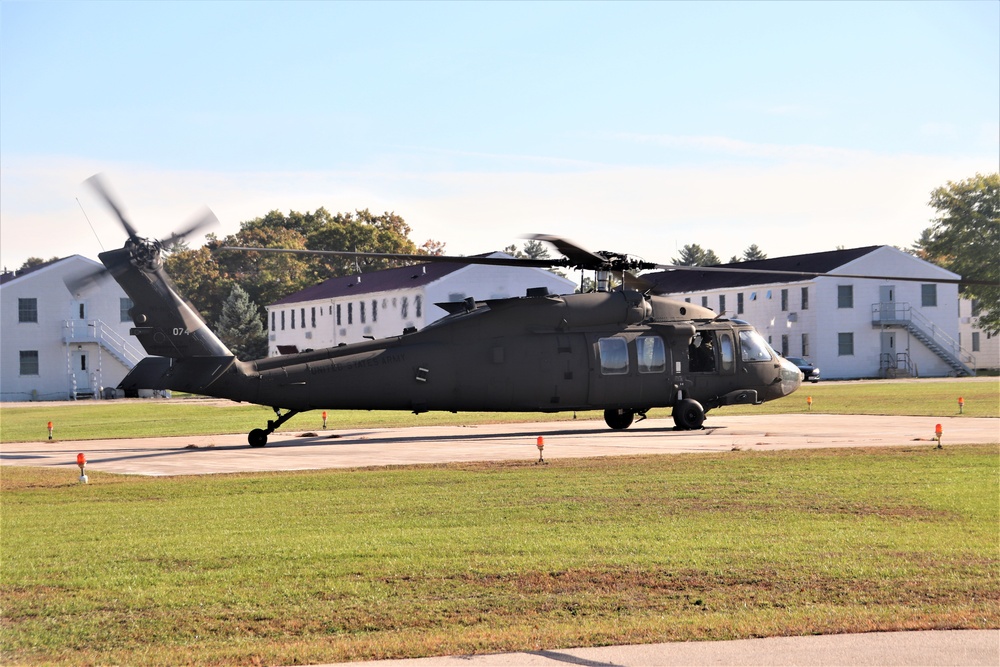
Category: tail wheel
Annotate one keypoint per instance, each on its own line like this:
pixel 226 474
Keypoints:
pixel 619 419
pixel 688 414
pixel 257 437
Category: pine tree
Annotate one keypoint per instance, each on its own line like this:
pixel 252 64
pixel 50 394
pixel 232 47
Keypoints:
pixel 240 326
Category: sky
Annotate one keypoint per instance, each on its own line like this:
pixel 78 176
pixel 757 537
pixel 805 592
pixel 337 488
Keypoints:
pixel 632 127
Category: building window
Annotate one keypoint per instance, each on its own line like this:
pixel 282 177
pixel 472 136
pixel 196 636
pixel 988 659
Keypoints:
pixel 350 312
pixel 274 319
pixel 374 310
pixel 784 345
pixel 784 300
pixel 975 341
pixel 405 307
pixel 704 302
pixel 928 296
pixel 614 356
pixel 805 298
pixel 293 318
pixel 282 320
pixel 805 345
pixel 845 296
pixel 29 362
pixel 303 317
pixel 124 305
pixel 27 311
pixel 976 308
pixel 418 305
pixel 722 304
pixel 361 311
pixel 845 345
pixel 739 303
pixel 338 314
pixel 313 315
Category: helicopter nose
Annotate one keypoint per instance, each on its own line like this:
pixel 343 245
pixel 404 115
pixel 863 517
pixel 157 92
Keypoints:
pixel 791 377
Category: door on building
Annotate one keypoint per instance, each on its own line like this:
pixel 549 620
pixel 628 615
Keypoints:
pixel 81 370
pixel 887 302
pixel 887 354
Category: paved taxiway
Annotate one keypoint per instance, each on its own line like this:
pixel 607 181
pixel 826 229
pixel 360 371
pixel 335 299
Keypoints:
pixel 349 448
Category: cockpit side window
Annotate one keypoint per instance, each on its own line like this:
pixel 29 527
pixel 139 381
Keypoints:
pixel 701 353
pixel 726 353
pixel 614 356
pixel 753 347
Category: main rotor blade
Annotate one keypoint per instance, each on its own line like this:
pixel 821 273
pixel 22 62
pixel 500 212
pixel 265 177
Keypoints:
pixel 419 259
pixel 807 274
pixel 96 182
pixel 205 219
pixel 581 258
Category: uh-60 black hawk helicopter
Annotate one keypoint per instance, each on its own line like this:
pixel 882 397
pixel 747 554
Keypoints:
pixel 623 351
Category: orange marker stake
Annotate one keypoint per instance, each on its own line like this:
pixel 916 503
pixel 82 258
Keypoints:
pixel 50 430
pixel 961 405
pixel 81 461
pixel 540 443
pixel 324 419
pixel 809 402
pixel 937 434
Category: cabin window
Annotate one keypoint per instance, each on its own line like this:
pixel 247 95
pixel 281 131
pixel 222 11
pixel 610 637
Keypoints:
pixel 928 296
pixel 652 354
pixel 845 296
pixel 29 362
pixel 726 352
pixel 27 310
pixel 124 305
pixel 845 345
pixel 753 347
pixel 614 356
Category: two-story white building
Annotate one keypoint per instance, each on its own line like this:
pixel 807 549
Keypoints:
pixel 848 327
pixel 385 303
pixel 55 345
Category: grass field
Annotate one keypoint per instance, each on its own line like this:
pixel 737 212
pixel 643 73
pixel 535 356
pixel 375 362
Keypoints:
pixel 121 419
pixel 295 568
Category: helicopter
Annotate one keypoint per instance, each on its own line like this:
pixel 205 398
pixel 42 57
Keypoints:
pixel 623 351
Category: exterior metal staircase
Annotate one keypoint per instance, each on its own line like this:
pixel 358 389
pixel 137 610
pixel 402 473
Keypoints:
pixel 96 331
pixel 894 314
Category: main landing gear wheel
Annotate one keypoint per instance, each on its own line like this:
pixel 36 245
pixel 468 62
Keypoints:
pixel 619 419
pixel 688 414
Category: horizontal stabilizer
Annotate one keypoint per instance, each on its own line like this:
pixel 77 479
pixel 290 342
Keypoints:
pixel 191 374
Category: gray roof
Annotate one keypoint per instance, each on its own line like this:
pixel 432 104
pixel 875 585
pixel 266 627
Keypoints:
pixel 672 282
pixel 406 277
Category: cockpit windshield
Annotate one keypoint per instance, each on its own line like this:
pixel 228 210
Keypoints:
pixel 753 347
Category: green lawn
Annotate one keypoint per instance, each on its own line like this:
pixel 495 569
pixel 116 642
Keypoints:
pixel 87 420
pixel 290 568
